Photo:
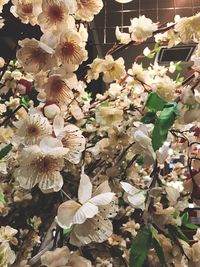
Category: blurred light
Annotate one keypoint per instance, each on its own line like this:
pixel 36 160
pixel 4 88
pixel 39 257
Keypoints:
pixel 123 1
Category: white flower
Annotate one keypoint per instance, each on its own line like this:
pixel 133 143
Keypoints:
pixel 109 116
pixel 1 24
pixel 197 235
pixel 55 16
pixel 7 255
pixel 7 234
pixel 42 165
pixel 62 257
pixel 35 56
pixel 88 8
pixel 172 195
pixel 143 140
pixel 164 87
pixel 122 37
pixel 95 69
pixel 90 216
pixel 71 138
pixel 113 69
pixel 2 3
pixel 136 197
pixel 114 90
pixel 70 50
pixel 26 10
pixel 188 28
pixel 142 28
pixel 57 91
pixel 32 129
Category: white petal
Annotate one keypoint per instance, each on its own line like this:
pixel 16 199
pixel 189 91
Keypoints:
pixel 102 188
pixel 85 189
pixel 51 183
pixel 58 125
pixel 102 199
pixel 88 210
pixel 66 213
pixel 97 229
pixel 137 200
pixel 48 144
pixel 128 188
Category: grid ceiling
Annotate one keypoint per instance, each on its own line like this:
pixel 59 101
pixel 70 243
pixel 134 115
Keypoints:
pixel 115 14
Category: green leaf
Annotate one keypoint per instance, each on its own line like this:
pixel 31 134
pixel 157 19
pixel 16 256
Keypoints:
pixel 4 151
pixel 178 66
pixel 192 226
pixel 2 199
pixel 140 247
pixel 155 103
pixel 162 126
pixel 159 251
pixel 104 104
pixel 149 117
pixel 176 233
pixel 151 55
pixel 25 100
pixel 140 160
pixel 67 231
pixel 185 218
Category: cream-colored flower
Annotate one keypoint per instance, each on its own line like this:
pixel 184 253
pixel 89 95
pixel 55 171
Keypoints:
pixel 88 8
pixel 70 50
pixel 35 56
pixel 2 3
pixel 6 134
pixel 1 26
pixel 142 28
pixel 89 217
pixel 131 227
pixel 42 165
pixel 95 69
pixel 135 196
pixel 109 116
pixel 26 10
pixel 55 16
pixel 7 234
pixel 71 138
pixel 32 129
pixel 122 37
pixel 58 91
pixel 188 28
pixel 62 257
pixel 113 70
pixel 7 256
pixel 164 87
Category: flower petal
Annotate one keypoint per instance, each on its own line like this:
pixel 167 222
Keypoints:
pixel 85 189
pixel 97 229
pixel 87 210
pixel 102 199
pixel 66 213
pixel 102 188
pixel 58 125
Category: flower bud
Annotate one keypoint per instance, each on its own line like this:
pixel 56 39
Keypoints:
pixel 51 110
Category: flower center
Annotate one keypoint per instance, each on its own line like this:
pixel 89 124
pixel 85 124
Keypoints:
pixel 56 13
pixel 45 164
pixel 68 49
pixel 33 130
pixel 27 8
pixel 38 56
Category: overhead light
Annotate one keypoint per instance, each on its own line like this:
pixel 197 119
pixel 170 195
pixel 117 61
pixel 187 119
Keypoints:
pixel 123 1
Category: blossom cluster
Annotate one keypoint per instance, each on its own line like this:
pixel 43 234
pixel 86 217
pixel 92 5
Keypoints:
pixel 105 180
